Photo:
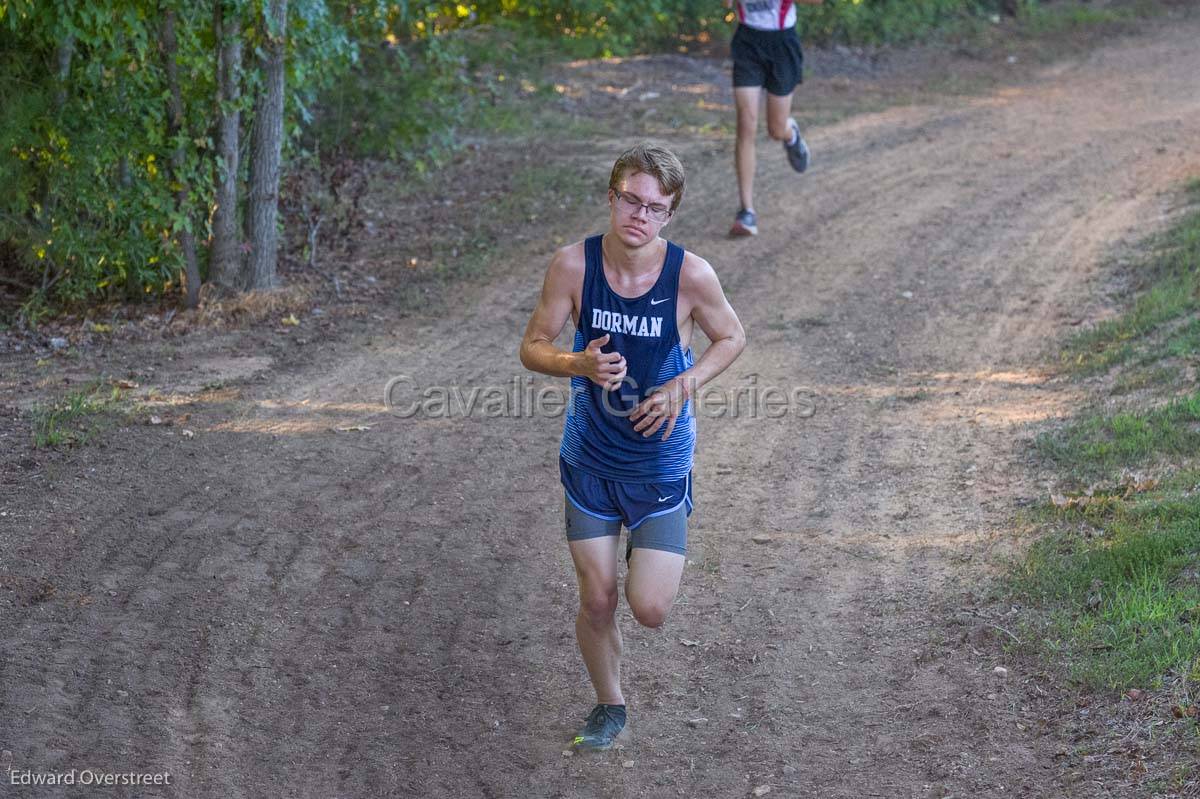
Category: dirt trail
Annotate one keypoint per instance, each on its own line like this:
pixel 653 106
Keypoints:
pixel 283 611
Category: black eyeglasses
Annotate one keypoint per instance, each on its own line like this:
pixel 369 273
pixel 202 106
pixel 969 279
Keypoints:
pixel 631 203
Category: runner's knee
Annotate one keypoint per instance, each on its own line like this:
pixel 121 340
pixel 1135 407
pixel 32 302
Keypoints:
pixel 650 612
pixel 747 121
pixel 598 604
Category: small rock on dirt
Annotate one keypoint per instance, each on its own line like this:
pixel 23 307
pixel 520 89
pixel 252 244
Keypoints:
pixel 1000 671
pixel 761 538
pixel 762 790
pixel 693 723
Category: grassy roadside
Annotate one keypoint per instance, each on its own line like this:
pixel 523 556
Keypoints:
pixel 1162 323
pixel 1112 588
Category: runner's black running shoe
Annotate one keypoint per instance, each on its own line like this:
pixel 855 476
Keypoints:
pixel 796 149
pixel 604 724
pixel 744 224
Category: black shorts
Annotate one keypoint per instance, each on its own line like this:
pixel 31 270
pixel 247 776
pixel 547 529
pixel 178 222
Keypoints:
pixel 771 59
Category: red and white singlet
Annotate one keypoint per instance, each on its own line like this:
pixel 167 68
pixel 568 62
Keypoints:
pixel 767 15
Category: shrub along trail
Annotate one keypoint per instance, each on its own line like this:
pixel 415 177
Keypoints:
pixel 272 608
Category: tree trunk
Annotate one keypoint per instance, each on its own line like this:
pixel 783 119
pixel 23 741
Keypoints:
pixel 266 147
pixel 62 59
pixel 225 261
pixel 175 124
pixel 66 49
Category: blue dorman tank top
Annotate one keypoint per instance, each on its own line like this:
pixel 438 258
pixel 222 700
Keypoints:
pixel 598 436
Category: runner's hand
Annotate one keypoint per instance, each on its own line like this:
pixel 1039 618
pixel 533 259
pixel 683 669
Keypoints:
pixel 662 405
pixel 605 369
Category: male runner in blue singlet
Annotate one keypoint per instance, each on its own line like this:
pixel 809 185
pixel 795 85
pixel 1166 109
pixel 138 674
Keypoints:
pixel 626 455
pixel 766 55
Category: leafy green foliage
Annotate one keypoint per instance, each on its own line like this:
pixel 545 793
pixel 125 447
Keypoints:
pixel 587 28
pixel 93 210
pixel 433 79
pixel 579 28
pixel 90 207
pixel 882 21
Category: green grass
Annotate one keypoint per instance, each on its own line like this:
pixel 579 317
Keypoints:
pixel 1117 341
pixel 1139 379
pixel 74 419
pixel 516 119
pixel 1170 278
pixel 1100 444
pixel 1054 18
pixel 1120 607
pixel 1112 590
pixel 1185 341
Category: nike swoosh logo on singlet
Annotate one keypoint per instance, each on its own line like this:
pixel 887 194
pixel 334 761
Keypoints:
pixel 656 302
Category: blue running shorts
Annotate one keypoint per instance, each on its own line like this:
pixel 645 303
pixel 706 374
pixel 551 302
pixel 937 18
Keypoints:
pixel 654 513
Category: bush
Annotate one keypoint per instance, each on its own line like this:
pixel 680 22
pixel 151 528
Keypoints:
pixel 87 204
pixel 883 21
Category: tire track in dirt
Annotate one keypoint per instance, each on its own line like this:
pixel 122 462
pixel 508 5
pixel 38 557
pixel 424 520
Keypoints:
pixel 152 591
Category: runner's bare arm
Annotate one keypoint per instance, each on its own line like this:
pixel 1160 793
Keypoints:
pixel 698 281
pixel 538 352
pixel 698 285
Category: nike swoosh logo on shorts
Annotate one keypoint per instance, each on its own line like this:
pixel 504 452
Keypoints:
pixel 656 302
pixel 663 499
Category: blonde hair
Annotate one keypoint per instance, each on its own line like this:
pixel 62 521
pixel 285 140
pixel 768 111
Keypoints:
pixel 657 162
